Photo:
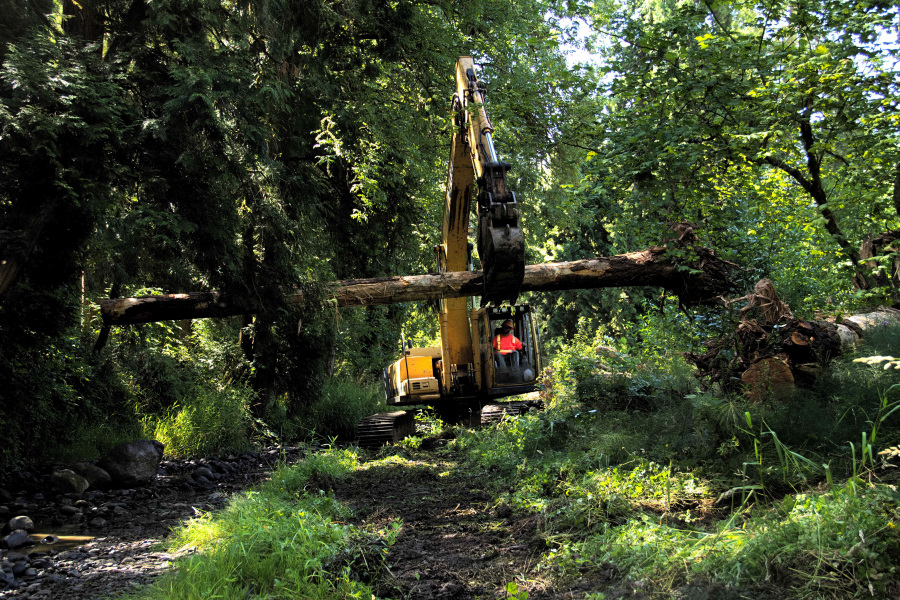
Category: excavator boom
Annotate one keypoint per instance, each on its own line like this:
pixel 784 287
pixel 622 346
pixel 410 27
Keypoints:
pixel 501 243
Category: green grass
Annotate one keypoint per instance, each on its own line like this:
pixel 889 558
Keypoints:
pixel 341 404
pixel 286 539
pixel 811 544
pixel 212 421
pixel 682 487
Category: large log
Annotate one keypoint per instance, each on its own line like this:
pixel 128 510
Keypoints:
pixel 702 283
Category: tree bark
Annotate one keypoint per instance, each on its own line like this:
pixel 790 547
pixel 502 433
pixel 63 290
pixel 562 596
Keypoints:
pixel 896 194
pixel 13 255
pixel 702 282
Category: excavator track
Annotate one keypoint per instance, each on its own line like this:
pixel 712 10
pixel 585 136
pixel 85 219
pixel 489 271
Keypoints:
pixel 492 414
pixel 385 428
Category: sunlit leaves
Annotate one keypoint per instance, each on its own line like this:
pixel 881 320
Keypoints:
pixel 720 111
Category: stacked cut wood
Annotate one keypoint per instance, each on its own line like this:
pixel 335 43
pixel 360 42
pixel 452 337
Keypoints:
pixel 771 352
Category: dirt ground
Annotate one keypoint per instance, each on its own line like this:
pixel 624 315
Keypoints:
pixel 455 542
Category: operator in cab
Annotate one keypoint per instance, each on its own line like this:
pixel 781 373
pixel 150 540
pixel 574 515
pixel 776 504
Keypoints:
pixel 505 344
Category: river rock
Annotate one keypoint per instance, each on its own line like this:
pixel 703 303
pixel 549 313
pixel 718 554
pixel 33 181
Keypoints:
pixel 203 472
pixel 66 481
pixel 133 463
pixel 21 522
pixel 97 477
pixel 16 539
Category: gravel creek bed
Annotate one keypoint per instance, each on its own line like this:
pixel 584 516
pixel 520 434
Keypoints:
pixel 109 541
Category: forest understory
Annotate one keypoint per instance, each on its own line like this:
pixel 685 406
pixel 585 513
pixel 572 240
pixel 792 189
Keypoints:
pixel 455 537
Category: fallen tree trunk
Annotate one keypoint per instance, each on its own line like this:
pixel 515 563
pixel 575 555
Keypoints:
pixel 703 282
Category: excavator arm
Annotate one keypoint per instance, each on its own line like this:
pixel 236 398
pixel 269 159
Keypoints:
pixel 473 159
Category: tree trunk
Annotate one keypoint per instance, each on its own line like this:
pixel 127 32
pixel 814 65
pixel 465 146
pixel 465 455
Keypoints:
pixel 705 280
pixel 83 19
pixel 874 250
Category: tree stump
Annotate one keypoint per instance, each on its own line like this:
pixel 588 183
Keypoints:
pixel 771 352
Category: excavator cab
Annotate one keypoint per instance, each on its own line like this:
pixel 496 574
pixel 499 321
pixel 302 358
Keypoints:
pixel 508 359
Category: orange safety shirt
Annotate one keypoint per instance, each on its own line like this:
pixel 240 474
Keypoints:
pixel 504 344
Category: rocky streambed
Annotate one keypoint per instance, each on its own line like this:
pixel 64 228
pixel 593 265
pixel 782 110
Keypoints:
pixel 98 543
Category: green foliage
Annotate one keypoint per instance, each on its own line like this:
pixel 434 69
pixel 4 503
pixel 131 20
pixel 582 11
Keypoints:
pixel 512 591
pixel 186 386
pixel 817 544
pixel 339 407
pixel 287 539
pixel 209 423
pixel 705 489
pixel 738 119
pixel 62 393
pixel 591 371
pixel 428 427
pixel 159 380
pixel 186 146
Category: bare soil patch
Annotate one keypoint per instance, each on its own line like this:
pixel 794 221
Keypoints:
pixel 456 542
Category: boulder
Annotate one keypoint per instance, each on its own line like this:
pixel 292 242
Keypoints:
pixel 21 522
pixel 133 463
pixel 849 337
pixel 66 481
pixel 97 477
pixel 203 472
pixel 15 539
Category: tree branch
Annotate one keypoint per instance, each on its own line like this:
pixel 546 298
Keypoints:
pixel 716 17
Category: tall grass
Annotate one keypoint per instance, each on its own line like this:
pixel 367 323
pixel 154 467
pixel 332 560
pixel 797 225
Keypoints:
pixel 286 539
pixel 627 465
pixel 211 421
pixel 341 405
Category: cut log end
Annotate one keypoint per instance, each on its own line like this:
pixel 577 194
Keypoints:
pixel 768 379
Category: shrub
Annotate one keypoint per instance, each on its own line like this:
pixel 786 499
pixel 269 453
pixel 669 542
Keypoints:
pixel 591 372
pixel 341 405
pixel 213 421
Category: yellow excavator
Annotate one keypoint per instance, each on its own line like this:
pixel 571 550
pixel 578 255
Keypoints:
pixel 477 362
